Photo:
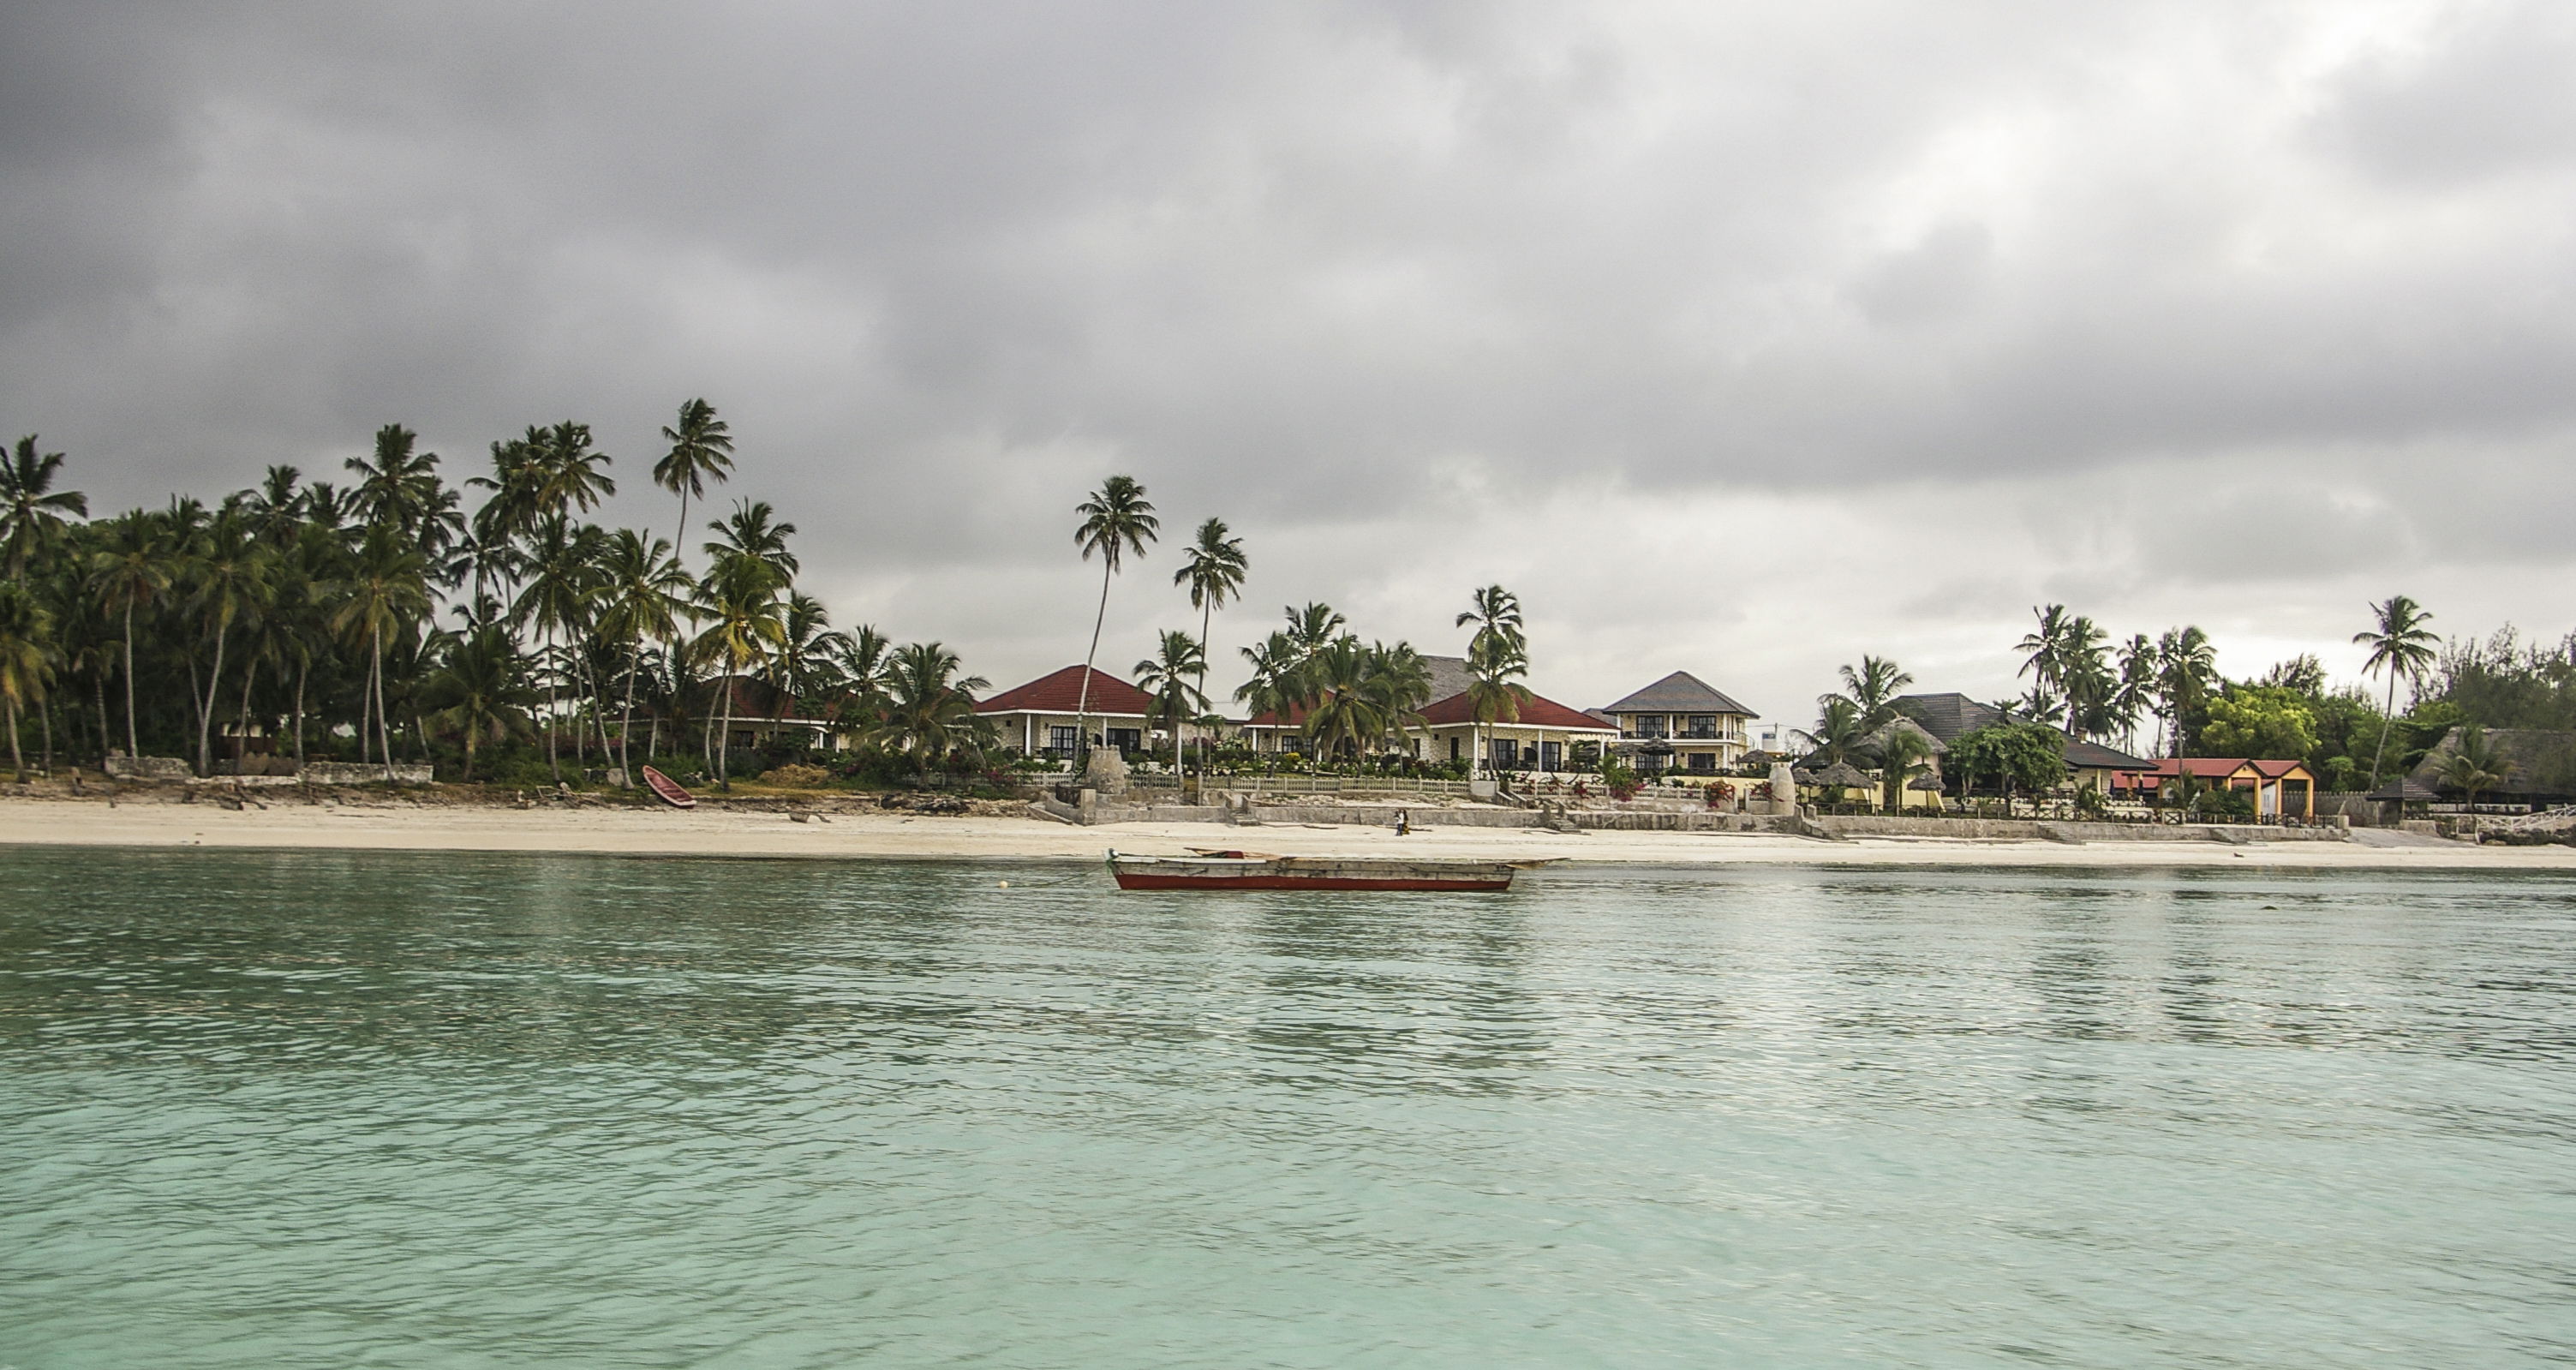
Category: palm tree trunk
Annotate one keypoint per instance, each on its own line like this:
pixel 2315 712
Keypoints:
pixel 1082 706
pixel 132 748
pixel 626 716
pixel 45 717
pixel 106 739
pixel 2386 717
pixel 250 677
pixel 724 741
pixel 206 715
pixel 384 731
pixel 301 672
pixel 17 763
pixel 553 703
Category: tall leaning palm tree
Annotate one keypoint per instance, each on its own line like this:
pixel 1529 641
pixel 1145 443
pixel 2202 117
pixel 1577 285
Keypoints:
pixel 2400 645
pixel 1213 568
pixel 701 451
pixel 1116 520
pixel 31 509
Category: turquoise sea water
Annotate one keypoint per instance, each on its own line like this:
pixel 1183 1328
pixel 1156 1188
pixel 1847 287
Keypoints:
pixel 285 1110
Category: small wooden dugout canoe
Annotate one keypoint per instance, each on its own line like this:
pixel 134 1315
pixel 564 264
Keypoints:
pixel 1239 871
pixel 667 789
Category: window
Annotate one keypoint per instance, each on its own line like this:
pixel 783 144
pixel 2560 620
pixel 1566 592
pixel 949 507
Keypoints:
pixel 1506 754
pixel 1549 754
pixel 1063 739
pixel 1703 761
pixel 1127 739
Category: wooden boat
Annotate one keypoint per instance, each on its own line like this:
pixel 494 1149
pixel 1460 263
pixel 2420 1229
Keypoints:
pixel 668 789
pixel 1234 870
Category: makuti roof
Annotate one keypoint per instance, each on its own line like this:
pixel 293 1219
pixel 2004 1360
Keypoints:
pixel 1537 711
pixel 1679 693
pixel 1061 693
pixel 2093 756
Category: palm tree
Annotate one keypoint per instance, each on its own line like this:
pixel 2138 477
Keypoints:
pixel 1276 686
pixel 228 581
pixel 26 659
pixel 481 690
pixel 1495 652
pixel 752 531
pixel 1313 628
pixel 1873 688
pixel 130 570
pixel 2137 689
pixel 2400 645
pixel 570 474
pixel 701 450
pixel 1838 728
pixel 930 712
pixel 1493 694
pixel 641 593
pixel 2187 676
pixel 1397 682
pixel 1117 519
pixel 386 590
pixel 739 601
pixel 563 581
pixel 2474 765
pixel 1905 754
pixel 1167 676
pixel 1213 568
pixel 31 509
pixel 2044 647
pixel 400 489
pixel 862 656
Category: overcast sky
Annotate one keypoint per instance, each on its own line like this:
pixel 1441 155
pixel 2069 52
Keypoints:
pixel 1735 339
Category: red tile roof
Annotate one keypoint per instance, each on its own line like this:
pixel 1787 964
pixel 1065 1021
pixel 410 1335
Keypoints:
pixel 2214 768
pixel 1536 712
pixel 1061 693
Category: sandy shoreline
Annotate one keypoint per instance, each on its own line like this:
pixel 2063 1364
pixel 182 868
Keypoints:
pixel 403 826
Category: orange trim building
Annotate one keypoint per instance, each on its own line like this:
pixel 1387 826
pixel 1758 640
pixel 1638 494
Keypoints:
pixel 2281 789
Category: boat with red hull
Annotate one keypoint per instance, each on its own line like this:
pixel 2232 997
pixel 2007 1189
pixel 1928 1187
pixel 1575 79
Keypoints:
pixel 668 790
pixel 1239 871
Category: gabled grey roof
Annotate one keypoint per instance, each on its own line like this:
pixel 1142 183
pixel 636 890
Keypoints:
pixel 1679 693
pixel 1945 716
pixel 1449 675
pixel 2093 756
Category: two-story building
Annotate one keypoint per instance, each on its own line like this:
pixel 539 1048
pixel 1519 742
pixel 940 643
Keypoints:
pixel 1682 723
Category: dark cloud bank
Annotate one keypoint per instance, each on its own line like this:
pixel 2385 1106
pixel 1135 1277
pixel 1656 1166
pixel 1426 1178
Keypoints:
pixel 1739 340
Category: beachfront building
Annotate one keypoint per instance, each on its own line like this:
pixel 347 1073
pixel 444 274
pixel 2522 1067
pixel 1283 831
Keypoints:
pixel 1680 723
pixel 1543 736
pixel 761 715
pixel 1273 732
pixel 2090 765
pixel 2281 789
pixel 1044 716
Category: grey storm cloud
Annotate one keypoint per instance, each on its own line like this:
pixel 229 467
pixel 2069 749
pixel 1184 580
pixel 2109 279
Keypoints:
pixel 1518 274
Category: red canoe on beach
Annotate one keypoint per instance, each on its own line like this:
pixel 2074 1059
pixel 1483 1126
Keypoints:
pixel 668 789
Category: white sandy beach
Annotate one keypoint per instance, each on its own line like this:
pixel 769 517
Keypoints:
pixel 405 826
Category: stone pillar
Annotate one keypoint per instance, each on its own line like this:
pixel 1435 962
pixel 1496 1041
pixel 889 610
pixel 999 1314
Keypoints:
pixel 1784 789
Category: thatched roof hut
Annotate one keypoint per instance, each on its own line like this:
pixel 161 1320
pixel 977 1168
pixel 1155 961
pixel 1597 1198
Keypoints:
pixel 1843 775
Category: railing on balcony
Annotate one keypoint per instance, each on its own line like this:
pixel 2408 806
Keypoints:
pixel 1682 735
